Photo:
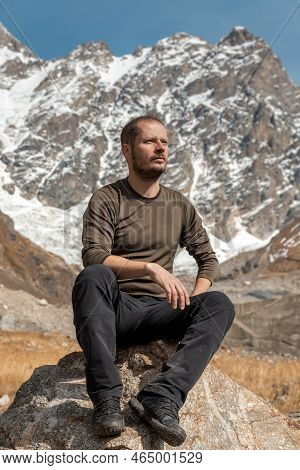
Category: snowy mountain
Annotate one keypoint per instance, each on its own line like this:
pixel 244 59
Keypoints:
pixel 233 116
pixel 280 255
pixel 26 266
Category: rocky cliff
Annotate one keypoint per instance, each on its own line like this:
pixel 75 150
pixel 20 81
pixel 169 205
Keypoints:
pixel 232 112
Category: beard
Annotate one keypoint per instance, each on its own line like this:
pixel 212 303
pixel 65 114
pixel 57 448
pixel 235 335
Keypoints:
pixel 147 174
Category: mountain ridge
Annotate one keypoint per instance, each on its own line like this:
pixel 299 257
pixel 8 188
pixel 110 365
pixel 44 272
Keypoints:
pixel 233 147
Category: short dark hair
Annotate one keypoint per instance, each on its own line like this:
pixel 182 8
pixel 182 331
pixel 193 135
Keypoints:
pixel 131 130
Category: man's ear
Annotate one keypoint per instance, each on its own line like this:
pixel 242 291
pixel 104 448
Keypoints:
pixel 125 149
pixel 126 152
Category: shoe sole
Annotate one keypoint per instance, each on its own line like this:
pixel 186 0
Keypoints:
pixel 108 431
pixel 172 438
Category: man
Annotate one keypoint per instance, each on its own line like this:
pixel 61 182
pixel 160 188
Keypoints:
pixel 127 293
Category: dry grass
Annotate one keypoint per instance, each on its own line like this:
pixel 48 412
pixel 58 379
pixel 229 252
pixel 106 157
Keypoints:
pixel 22 352
pixel 275 380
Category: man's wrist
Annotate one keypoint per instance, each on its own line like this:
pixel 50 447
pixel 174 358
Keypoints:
pixel 148 268
pixel 202 285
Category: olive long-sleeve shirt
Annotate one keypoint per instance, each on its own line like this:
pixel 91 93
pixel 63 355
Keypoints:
pixel 119 221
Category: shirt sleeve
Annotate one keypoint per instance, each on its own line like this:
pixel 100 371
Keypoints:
pixel 98 228
pixel 195 239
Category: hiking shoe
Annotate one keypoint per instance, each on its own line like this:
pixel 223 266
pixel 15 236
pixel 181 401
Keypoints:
pixel 107 418
pixel 162 415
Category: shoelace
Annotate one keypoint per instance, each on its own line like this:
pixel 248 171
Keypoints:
pixel 111 404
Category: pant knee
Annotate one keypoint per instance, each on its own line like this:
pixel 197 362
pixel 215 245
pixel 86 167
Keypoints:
pixel 226 306
pixel 95 272
pixel 221 297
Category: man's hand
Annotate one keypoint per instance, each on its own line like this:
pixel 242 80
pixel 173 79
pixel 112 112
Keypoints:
pixel 174 288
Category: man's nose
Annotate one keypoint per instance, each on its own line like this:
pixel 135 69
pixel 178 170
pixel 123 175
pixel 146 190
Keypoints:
pixel 159 145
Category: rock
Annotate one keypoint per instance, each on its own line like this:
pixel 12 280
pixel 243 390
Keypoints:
pixel 230 109
pixel 52 410
pixel 4 400
pixel 42 302
pixel 280 255
pixel 268 293
pixel 9 187
pixel 25 265
pixel 271 325
pixel 295 415
pixel 25 314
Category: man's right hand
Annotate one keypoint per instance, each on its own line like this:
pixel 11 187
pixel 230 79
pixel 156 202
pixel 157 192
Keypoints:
pixel 175 290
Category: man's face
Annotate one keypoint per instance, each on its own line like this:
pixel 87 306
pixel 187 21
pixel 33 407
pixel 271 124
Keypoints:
pixel 150 151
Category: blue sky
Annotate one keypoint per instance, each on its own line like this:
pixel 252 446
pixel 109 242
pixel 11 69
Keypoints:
pixel 55 27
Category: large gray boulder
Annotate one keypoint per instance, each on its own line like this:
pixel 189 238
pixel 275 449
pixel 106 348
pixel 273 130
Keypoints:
pixel 52 410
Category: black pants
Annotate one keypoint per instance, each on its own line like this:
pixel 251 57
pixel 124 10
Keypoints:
pixel 105 317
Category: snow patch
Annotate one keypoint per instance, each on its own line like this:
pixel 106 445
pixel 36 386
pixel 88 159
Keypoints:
pixel 120 66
